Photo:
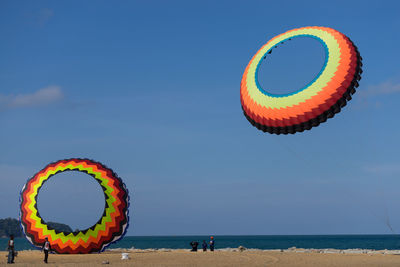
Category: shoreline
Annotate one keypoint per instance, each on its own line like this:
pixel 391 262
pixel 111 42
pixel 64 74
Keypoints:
pixel 333 242
pixel 219 258
pixel 242 249
pixel 289 250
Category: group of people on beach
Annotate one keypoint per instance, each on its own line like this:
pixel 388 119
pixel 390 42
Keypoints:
pixel 195 244
pixel 12 253
pixel 46 248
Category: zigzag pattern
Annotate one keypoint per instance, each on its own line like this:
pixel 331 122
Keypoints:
pixel 110 228
pixel 319 100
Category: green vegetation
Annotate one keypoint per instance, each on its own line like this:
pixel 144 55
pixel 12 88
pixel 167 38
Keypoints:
pixel 10 226
pixel 60 227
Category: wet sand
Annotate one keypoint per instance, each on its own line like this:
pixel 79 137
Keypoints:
pixel 200 258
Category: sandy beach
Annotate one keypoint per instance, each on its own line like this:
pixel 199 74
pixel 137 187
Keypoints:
pixel 200 258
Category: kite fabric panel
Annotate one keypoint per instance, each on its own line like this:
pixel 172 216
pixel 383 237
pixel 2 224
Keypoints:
pixel 313 104
pixel 111 226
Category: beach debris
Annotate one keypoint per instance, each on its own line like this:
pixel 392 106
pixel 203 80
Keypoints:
pixel 228 249
pixel 331 251
pixel 164 250
pixel 354 251
pixel 288 250
pixel 241 248
pixel 105 262
pixel 301 250
pixel 391 252
pixel 125 256
pixel 337 251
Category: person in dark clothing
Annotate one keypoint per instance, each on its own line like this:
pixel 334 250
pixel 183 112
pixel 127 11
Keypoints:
pixel 204 245
pixel 212 243
pixel 194 245
pixel 11 251
pixel 46 248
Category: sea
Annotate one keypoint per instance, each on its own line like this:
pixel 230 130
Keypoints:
pixel 376 242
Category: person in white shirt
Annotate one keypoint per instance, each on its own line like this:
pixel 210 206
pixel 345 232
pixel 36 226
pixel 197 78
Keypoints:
pixel 46 248
pixel 212 243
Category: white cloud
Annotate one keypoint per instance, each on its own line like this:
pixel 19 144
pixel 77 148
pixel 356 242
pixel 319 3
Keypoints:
pixel 387 168
pixel 43 96
pixel 367 96
pixel 385 88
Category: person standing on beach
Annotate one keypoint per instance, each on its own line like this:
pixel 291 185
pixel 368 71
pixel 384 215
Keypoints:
pixel 11 251
pixel 46 248
pixel 212 243
pixel 204 245
pixel 194 245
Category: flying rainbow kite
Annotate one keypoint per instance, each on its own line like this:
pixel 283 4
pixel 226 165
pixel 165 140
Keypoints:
pixel 111 226
pixel 313 104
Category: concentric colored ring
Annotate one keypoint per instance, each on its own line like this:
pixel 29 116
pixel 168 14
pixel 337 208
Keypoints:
pixel 307 107
pixel 110 228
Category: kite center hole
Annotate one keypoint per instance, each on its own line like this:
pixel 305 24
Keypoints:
pixel 72 198
pixel 291 66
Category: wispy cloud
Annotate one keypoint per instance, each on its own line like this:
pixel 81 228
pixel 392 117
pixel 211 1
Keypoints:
pixel 386 168
pixel 385 88
pixel 369 96
pixel 45 15
pixel 41 97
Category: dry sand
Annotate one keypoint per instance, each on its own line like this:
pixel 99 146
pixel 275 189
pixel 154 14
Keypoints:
pixel 200 258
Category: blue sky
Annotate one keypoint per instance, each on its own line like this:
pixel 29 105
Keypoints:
pixel 151 89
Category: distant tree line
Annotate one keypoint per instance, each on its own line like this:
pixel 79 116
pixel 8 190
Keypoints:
pixel 59 227
pixel 10 226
